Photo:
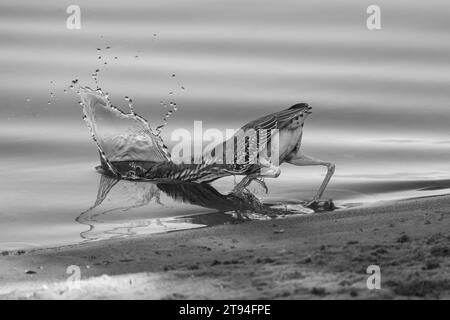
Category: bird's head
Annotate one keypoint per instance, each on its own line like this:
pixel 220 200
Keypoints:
pixel 300 112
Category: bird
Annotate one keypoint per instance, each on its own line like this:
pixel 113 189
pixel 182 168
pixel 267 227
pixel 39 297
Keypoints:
pixel 274 139
pixel 284 131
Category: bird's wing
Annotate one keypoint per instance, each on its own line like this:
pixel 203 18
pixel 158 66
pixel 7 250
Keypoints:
pixel 270 123
pixel 256 140
pixel 265 131
pixel 265 128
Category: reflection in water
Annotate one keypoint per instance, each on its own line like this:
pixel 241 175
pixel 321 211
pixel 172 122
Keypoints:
pixel 115 197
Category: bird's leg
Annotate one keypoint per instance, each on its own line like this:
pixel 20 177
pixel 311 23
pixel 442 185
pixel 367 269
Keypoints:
pixel 303 160
pixel 267 170
pixel 242 184
pixel 262 183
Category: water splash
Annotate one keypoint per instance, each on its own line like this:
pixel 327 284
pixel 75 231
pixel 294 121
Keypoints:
pixel 130 104
pixel 165 120
pixel 120 136
pixel 127 144
pixel 94 76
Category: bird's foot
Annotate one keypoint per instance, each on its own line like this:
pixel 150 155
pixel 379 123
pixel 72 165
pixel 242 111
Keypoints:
pixel 293 208
pixel 320 205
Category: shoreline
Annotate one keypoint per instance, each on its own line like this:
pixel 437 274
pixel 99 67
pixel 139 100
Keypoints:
pixel 322 255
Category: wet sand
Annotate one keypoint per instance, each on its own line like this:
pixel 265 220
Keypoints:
pixel 319 256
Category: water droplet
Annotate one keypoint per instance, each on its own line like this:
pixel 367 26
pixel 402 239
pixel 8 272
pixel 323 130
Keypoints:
pixel 49 102
pixel 130 103
pixel 65 91
pixel 182 88
pixel 115 58
pixel 173 75
pixel 94 76
pixel 171 92
pixel 136 57
pixel 108 47
pixel 98 49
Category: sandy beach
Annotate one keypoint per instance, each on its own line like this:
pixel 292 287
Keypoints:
pixel 318 256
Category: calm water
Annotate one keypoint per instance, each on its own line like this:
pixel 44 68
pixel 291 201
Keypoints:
pixel 380 102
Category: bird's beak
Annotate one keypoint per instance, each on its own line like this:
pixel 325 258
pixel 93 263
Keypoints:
pixel 308 110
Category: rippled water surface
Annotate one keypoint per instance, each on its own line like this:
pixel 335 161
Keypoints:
pixel 380 101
